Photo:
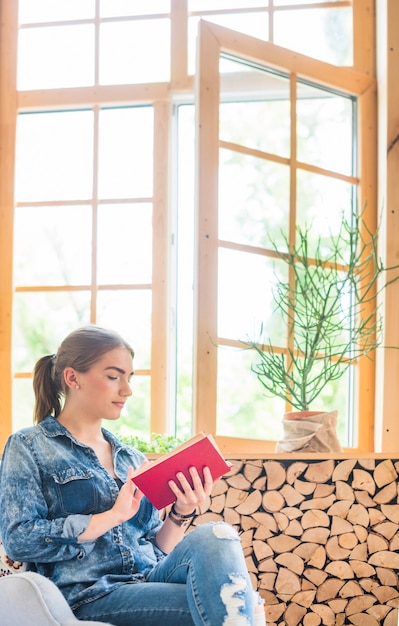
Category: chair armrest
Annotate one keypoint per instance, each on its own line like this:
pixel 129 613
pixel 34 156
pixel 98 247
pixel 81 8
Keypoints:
pixel 29 599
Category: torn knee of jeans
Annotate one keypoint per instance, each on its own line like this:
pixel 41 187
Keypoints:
pixel 225 531
pixel 232 596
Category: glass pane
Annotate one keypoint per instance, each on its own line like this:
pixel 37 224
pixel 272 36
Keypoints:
pixel 129 313
pixel 54 157
pixel 321 203
pixel 42 320
pixel 51 11
pixel 322 303
pixel 253 199
pixel 262 122
pixel 49 249
pixel 325 129
pixel 126 152
pixel 56 56
pixel 135 417
pixel 243 410
pixel 253 24
pixel 22 403
pixel 324 34
pixel 127 53
pixel 124 244
pixel 343 393
pixel 116 8
pixel 335 396
pixel 245 296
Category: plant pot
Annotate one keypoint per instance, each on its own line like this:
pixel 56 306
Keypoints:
pixel 309 431
pixel 301 415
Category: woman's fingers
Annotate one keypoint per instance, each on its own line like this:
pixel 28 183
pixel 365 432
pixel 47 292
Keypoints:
pixel 195 493
pixel 131 488
pixel 208 481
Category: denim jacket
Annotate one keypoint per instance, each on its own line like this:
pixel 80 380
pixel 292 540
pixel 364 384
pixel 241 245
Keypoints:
pixel 50 485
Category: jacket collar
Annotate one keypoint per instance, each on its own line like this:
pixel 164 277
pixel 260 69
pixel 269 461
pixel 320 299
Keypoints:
pixel 51 427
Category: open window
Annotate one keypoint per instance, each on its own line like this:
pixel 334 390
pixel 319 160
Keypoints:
pixel 281 141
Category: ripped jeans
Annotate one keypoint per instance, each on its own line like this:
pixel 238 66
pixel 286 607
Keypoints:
pixel 202 582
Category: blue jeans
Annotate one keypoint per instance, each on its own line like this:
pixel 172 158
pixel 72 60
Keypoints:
pixel 202 582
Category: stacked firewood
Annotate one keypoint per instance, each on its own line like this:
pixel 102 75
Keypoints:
pixel 321 537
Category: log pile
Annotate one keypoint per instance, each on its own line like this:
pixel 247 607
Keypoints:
pixel 321 537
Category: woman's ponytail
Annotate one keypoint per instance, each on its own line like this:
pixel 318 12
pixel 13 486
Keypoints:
pixel 46 388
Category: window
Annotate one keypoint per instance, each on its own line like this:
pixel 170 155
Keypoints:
pixel 83 235
pixel 103 218
pixel 286 155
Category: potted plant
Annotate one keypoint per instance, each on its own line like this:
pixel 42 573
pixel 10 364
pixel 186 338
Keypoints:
pixel 329 301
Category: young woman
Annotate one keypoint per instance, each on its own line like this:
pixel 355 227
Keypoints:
pixel 68 506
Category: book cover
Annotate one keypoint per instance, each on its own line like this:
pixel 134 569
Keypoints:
pixel 199 451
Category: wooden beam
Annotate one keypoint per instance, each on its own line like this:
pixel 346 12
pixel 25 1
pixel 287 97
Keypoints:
pixel 364 36
pixel 206 233
pixel 387 408
pixel 8 111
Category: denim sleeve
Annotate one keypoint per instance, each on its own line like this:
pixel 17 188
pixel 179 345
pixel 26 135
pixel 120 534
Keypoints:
pixel 155 525
pixel 26 532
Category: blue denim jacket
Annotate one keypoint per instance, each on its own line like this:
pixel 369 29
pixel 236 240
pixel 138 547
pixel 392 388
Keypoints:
pixel 50 485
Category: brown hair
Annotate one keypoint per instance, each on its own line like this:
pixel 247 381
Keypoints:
pixel 80 349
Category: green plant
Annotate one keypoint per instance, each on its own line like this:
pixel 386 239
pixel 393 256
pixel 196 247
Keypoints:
pixel 330 304
pixel 159 443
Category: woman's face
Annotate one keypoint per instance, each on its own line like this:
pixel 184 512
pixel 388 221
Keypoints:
pixel 103 390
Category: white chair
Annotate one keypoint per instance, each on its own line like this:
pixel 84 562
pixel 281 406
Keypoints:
pixel 29 599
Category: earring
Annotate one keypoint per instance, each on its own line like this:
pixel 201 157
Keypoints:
pixel 76 386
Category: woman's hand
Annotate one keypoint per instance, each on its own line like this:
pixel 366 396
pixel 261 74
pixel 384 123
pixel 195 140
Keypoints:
pixel 128 501
pixel 188 498
pixel 126 506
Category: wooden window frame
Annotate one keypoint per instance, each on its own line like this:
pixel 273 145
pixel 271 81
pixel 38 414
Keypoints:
pixel 159 96
pixel 215 40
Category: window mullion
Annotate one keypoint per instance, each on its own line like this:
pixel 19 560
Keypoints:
pixel 160 270
pixel 94 246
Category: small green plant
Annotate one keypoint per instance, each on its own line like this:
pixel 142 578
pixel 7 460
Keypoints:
pixel 330 304
pixel 159 443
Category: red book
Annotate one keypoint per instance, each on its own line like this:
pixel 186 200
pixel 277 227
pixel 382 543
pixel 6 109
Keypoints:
pixel 200 451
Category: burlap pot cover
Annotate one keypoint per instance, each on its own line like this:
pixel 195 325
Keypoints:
pixel 309 431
